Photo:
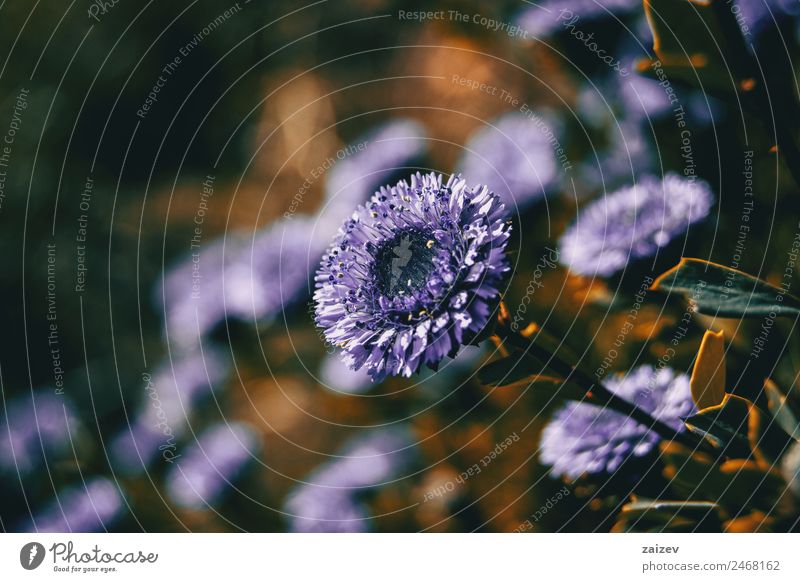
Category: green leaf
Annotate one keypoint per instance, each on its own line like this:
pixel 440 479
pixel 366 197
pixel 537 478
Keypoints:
pixel 724 292
pixel 656 516
pixel 737 486
pixel 781 412
pixel 768 440
pixel 725 426
pixel 514 369
pixel 533 358
pixel 693 508
pixel 689 45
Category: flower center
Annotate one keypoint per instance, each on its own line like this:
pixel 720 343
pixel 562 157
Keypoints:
pixel 404 263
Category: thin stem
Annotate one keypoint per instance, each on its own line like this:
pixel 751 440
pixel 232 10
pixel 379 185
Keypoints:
pixel 597 392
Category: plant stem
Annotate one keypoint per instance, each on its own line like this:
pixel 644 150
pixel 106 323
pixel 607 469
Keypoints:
pixel 597 392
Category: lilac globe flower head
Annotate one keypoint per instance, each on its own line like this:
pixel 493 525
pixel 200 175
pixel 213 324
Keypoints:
pixel 643 98
pixel 88 507
pixel 376 156
pixel 633 223
pixel 758 15
pixel 546 17
pixel 320 511
pixel 191 293
pixel 337 376
pixel 586 438
pixel 210 465
pixel 328 501
pixel 628 154
pixel 274 271
pixel 367 460
pixel 240 277
pixel 413 274
pixel 379 155
pixel 257 277
pixel 167 404
pixel 515 155
pixel 135 446
pixel 34 425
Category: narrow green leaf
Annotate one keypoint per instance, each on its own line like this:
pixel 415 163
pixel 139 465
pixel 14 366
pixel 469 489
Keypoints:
pixel 514 369
pixel 688 44
pixel 768 440
pixel 724 425
pixel 672 516
pixel 696 508
pixel 725 292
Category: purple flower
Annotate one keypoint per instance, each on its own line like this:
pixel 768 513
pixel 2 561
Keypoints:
pixel 377 156
pixel 135 446
pixel 629 154
pixel 34 425
pixel 585 438
pixel 273 272
pixel 328 501
pixel 257 277
pixel 253 279
pixel 326 512
pixel 89 507
pixel 515 156
pixel 643 98
pixel 759 14
pixel 209 467
pixel 167 402
pixel 191 293
pixel 337 376
pixel 546 17
pixel 413 274
pixel 633 223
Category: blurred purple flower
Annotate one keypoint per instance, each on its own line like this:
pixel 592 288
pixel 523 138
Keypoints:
pixel 210 465
pixel 328 501
pixel 633 223
pixel 546 17
pixel 514 156
pixel 273 272
pixel 257 277
pixel 337 376
pixel 167 403
pixel 135 446
pixel 88 507
pixel 628 155
pixel 757 15
pixel 387 151
pixel 190 294
pixel 585 438
pixel 35 425
pixel 643 98
pixel 317 511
